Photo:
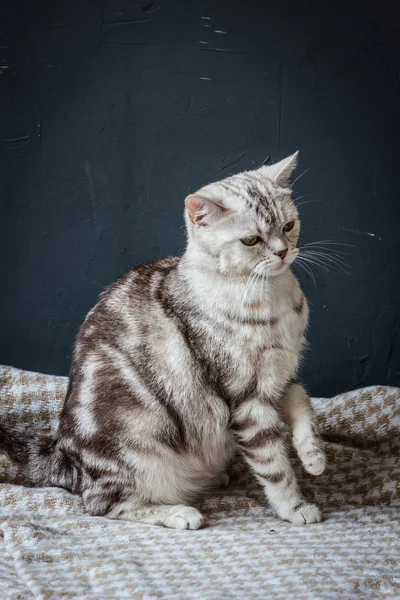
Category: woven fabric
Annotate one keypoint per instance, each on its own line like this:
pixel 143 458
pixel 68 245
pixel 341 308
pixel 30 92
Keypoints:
pixel 50 549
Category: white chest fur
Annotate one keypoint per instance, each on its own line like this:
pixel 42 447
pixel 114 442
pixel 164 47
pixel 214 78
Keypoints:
pixel 267 332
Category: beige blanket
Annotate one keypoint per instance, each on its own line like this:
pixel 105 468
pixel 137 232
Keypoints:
pixel 49 548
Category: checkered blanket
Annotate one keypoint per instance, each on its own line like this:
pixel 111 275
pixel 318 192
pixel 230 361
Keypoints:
pixel 50 549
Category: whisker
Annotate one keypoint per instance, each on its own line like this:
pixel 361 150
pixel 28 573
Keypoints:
pixel 256 276
pixel 330 242
pixel 325 251
pixel 306 269
pixel 247 285
pixel 301 175
pixel 247 288
pixel 314 259
pixel 327 248
pixel 307 202
pixel 297 198
pixel 327 257
pixel 318 252
pixel 310 268
pixel 318 262
pixel 251 280
pixel 260 307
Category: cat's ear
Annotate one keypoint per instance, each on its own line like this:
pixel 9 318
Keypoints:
pixel 281 172
pixel 201 210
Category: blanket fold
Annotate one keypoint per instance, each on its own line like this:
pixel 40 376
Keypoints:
pixel 50 549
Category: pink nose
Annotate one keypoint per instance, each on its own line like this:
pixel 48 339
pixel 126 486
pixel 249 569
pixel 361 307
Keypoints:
pixel 281 253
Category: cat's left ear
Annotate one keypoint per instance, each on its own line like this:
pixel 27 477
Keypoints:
pixel 280 173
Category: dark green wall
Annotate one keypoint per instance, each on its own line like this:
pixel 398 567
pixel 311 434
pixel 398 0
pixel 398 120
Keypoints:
pixel 111 112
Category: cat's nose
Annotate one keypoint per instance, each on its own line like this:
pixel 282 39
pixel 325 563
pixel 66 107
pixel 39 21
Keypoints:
pixel 281 253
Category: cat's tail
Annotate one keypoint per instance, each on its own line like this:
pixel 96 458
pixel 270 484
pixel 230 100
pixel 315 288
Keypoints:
pixel 39 458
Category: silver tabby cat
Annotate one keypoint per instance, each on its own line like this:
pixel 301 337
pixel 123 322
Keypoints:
pixel 185 361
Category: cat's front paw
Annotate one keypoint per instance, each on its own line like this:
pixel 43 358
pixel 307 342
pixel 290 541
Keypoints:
pixel 304 514
pixel 184 517
pixel 313 458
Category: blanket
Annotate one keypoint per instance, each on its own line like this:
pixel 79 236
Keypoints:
pixel 50 549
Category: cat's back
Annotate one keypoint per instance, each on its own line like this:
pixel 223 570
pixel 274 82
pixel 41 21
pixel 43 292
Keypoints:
pixel 121 335
pixel 127 306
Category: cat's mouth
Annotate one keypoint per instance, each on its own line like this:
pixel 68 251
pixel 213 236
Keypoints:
pixel 284 264
pixel 279 268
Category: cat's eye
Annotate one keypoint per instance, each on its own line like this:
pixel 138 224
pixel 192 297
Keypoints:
pixel 288 227
pixel 250 241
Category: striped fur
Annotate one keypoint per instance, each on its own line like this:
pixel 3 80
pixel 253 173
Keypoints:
pixel 186 360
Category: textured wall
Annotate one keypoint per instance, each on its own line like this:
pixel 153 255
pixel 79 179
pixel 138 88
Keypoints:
pixel 111 112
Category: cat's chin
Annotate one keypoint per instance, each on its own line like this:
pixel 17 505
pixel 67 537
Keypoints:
pixel 278 270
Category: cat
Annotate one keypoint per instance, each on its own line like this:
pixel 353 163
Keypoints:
pixel 185 361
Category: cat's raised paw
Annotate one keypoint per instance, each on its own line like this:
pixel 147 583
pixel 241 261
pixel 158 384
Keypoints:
pixel 313 459
pixel 305 514
pixel 184 517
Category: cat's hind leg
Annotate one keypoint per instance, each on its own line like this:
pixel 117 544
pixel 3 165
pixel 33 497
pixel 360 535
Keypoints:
pixel 114 502
pixel 177 516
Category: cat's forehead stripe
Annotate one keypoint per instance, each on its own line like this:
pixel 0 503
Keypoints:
pixel 232 189
pixel 257 193
pixel 262 204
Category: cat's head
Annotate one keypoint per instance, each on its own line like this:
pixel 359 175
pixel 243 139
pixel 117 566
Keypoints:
pixel 245 221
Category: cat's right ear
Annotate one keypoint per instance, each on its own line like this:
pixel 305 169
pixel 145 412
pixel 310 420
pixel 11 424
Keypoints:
pixel 201 210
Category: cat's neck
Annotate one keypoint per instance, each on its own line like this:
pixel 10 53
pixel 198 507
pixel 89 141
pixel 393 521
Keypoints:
pixel 241 295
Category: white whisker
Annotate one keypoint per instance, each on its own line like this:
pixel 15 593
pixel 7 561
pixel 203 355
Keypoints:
pixel 305 268
pixel 330 243
pixel 326 248
pixel 250 282
pixel 323 257
pixel 318 262
pixel 307 202
pixel 301 175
